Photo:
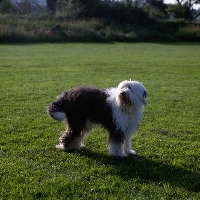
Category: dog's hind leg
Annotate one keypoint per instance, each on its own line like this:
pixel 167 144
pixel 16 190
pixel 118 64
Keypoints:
pixel 87 128
pixel 67 141
pixel 73 137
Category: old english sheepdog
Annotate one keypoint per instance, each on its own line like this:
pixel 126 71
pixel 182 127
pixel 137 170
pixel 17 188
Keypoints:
pixel 119 110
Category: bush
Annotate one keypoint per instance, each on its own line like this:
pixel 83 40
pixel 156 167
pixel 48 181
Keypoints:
pixel 189 33
pixel 37 29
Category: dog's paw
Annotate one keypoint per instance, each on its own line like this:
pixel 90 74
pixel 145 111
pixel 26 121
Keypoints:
pixel 80 148
pixel 131 152
pixel 60 146
pixel 122 155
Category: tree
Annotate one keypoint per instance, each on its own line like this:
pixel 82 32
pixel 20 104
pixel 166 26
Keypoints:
pixel 6 6
pixel 190 3
pixel 183 9
pixel 156 9
pixel 67 8
pixel 179 11
pixel 51 6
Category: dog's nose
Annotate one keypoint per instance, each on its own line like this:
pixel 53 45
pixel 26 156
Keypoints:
pixel 123 94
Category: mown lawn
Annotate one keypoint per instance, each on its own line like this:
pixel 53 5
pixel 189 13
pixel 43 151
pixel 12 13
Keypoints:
pixel 167 164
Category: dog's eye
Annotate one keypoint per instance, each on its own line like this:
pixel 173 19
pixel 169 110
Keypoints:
pixel 129 87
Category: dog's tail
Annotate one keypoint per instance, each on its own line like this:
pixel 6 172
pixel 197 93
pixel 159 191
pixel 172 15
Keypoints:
pixel 54 111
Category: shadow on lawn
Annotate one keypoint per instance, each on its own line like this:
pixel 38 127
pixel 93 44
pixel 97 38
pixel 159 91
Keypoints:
pixel 148 170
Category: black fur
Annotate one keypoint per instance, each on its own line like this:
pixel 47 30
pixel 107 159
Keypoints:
pixel 83 104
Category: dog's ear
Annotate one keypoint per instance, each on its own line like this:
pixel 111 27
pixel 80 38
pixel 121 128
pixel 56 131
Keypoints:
pixel 145 94
pixel 145 97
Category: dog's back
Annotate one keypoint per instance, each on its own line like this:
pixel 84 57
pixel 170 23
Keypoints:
pixel 81 103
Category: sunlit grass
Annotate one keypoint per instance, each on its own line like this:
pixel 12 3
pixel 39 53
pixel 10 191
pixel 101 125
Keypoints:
pixel 167 142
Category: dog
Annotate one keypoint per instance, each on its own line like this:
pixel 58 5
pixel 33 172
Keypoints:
pixel 119 110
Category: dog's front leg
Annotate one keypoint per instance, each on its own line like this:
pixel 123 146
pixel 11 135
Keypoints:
pixel 128 146
pixel 116 149
pixel 116 143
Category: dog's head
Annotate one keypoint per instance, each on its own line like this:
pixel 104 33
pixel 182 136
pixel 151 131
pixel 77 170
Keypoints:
pixel 131 94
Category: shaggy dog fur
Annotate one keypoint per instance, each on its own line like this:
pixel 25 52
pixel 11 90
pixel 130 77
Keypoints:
pixel 119 110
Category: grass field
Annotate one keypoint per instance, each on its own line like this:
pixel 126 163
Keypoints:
pixel 167 165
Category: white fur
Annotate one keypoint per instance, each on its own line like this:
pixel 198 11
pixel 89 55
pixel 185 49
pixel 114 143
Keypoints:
pixel 127 118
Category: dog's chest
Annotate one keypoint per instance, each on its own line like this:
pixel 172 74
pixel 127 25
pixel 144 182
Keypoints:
pixel 127 122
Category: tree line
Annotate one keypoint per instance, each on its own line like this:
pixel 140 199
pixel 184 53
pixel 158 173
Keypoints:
pixel 124 10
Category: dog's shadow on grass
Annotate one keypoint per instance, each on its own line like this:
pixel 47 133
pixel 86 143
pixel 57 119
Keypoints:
pixel 148 170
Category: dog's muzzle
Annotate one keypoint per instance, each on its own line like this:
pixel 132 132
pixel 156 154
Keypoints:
pixel 124 99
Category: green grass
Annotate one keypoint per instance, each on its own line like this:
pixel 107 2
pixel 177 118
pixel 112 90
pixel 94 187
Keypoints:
pixel 167 165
